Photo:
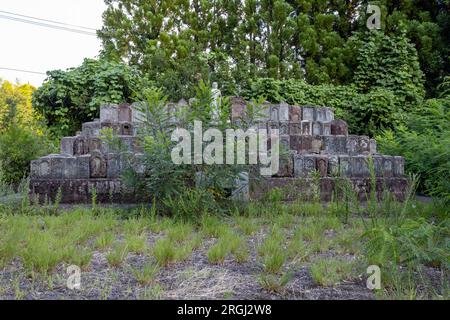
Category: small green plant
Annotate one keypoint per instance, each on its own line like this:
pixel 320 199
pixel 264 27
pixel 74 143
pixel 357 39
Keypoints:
pixel 274 261
pixel 147 274
pixel 330 271
pixel 136 243
pixel 218 252
pixel 275 283
pixel 117 255
pixel 164 251
pixel 104 240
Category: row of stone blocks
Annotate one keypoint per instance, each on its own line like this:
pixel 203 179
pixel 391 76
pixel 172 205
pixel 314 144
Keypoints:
pixel 115 191
pixel 329 187
pixel 82 191
pixel 351 145
pixel 83 145
pixel 282 112
pixel 94 165
pixel 303 165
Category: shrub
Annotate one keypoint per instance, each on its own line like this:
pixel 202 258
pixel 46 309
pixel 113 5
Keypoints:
pixel 69 98
pixel 425 143
pixel 18 146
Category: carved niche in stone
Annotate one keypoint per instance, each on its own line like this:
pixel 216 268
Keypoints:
pixel 322 166
pixel 98 167
pixel 326 128
pixel 126 129
pixel 274 113
pixel 333 165
pixel 80 146
pixel 306 128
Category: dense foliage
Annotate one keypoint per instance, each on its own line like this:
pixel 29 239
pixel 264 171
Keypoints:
pixel 424 140
pixel 22 135
pixel 69 98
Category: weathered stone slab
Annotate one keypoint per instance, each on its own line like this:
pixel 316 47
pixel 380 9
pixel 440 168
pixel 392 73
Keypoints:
pixel 364 145
pixel 345 166
pixel 98 165
pixel 326 128
pixel 333 165
pixel 91 128
pixel 334 144
pixel 295 128
pixel 322 165
pixel 286 168
pixel 238 107
pixel 360 166
pixel 295 114
pixel 308 113
pixel 81 146
pixel 352 144
pixel 124 113
pixel 339 127
pixel 316 128
pixel 109 113
pixel 316 144
pixel 304 165
pixel 388 166
pixel 283 112
pixel 274 113
pixel 67 145
pixel 284 127
pixel 372 146
pixel 399 166
pixel 137 112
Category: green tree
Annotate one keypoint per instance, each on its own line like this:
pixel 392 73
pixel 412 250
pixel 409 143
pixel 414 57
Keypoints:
pixel 390 63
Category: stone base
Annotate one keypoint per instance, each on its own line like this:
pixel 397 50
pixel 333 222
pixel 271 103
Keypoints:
pixel 80 191
pixel 294 188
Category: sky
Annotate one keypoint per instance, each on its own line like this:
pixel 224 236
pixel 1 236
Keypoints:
pixel 36 48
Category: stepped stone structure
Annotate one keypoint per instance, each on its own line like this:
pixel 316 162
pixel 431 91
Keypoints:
pixel 86 162
pixel 315 141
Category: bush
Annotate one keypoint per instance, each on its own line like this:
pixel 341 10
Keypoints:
pixel 69 98
pixel 185 190
pixel 425 143
pixel 18 146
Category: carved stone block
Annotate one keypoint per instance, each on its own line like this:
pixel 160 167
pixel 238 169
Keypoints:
pixel 109 113
pixel 124 111
pixel 339 127
pixel 306 127
pixel 283 112
pixel 308 113
pixel 98 165
pixel 295 114
pixel 304 165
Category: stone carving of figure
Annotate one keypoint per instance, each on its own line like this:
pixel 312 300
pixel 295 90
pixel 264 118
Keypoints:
pixel 216 101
